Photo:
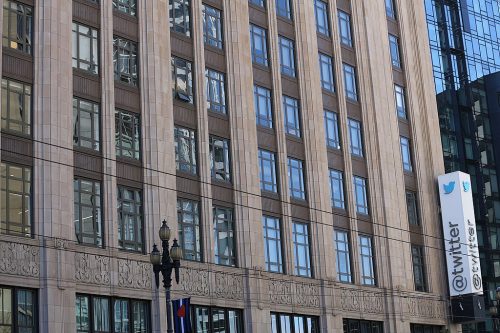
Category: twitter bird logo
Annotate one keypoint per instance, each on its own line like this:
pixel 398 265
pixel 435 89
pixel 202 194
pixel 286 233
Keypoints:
pixel 448 188
pixel 466 186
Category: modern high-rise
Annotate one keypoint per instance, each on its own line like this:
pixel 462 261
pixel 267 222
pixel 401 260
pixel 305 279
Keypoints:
pixel 291 145
pixel 464 39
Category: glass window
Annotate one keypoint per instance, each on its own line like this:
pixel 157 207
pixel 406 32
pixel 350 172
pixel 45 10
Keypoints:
pixel 88 218
pixel 16 200
pixel 301 250
pixel 258 44
pixel 355 137
pixel 216 91
pixel 394 47
pixel 405 153
pixel 260 3
pixel 412 207
pixel 343 256
pixel 292 120
pixel 182 80
pixel 225 252
pixel 212 26
pixel 321 12
pixel 363 326
pixel 400 101
pixel 85 48
pixel 130 227
pixel 287 56
pixel 127 134
pixel 188 219
pixel 185 150
pixel 208 320
pixel 389 9
pixel 417 257
pixel 82 311
pixel 267 171
pixel 180 20
pixel 332 130
pixel 126 6
pixel 220 163
pixel 326 72
pixel 125 61
pixel 86 124
pixel 17 26
pixel 296 178
pixel 284 323
pixel 345 28
pixel 16 106
pixel 366 260
pixel 350 82
pixel 101 315
pixel 263 106
pixel 284 9
pixel 337 189
pixel 18 310
pixel 418 328
pixel 360 195
pixel 272 244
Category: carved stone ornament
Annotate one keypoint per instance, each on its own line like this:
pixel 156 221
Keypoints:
pixel 92 268
pixel 194 282
pixel 425 307
pixel 361 301
pixel 19 259
pixel 293 293
pixel 134 274
pixel 228 286
pixel 306 294
pixel 280 292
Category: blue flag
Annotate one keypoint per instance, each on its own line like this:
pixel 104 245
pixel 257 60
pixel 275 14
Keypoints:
pixel 182 315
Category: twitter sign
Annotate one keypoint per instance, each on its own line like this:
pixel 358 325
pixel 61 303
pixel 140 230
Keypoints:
pixel 460 238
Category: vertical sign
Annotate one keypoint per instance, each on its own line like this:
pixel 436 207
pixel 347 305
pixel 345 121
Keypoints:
pixel 460 238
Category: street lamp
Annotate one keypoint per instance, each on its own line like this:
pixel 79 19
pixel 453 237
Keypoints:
pixel 166 263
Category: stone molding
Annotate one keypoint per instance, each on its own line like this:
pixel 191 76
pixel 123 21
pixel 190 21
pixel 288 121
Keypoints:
pixel 294 293
pixel 134 274
pixel 19 259
pixel 361 301
pixel 91 268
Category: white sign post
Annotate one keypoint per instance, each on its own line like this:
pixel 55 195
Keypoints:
pixel 460 238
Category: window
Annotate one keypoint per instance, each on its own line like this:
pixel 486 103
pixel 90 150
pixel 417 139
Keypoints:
pixel 405 153
pixel 85 48
pixel 343 256
pixel 350 82
pixel 88 218
pixel 417 258
pixel 126 6
pixel 418 328
pixel 365 326
pixel 16 106
pixel 259 3
pixel 360 195
pixel 127 134
pixel 216 93
pixel 225 253
pixel 284 9
pixel 188 219
pixel 130 226
pixel 366 260
pixel 321 12
pixel 258 44
pixel 18 310
pixel 100 314
pixel 220 163
pixel 208 319
pixel 185 150
pixel 394 47
pixel 292 120
pixel 332 130
pixel 272 244
pixel 412 207
pixel 263 106
pixel 337 189
pixel 16 200
pixel 86 124
pixel 125 61
pixel 400 101
pixel 182 80
pixel 345 28
pixel 267 170
pixel 288 323
pixel 389 9
pixel 17 26
pixel 296 178
pixel 355 137
pixel 180 20
pixel 326 72
pixel 212 26
pixel 301 249
pixel 287 56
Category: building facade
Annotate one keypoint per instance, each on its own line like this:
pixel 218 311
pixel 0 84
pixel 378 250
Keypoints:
pixel 291 145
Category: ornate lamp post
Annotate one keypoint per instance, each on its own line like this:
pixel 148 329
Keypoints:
pixel 166 263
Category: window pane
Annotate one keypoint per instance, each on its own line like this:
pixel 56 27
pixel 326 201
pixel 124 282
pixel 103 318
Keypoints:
pixel 17 30
pixel 292 120
pixel 296 179
pixel 411 204
pixel 400 101
pixel 224 236
pixel 216 91
pixel 258 43
pixel 337 189
pixel 182 80
pixel 125 61
pixel 88 219
pixel 267 171
pixel 189 228
pixel 345 28
pixel 394 48
pixel 321 12
pixel 263 106
pixel 16 107
pixel 212 26
pixel 219 159
pixel 326 72
pixel 272 244
pixel 127 134
pixel 130 229
pixel 366 260
pixel 287 55
pixel 283 9
pixel 85 43
pixel 332 130
pixel 355 138
pixel 343 256
pixel 350 82
pixel 180 16
pixel 405 154
pixel 15 200
pixel 301 249
pixel 185 150
pixel 360 195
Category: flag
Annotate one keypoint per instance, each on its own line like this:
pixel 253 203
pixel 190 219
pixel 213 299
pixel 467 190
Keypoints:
pixel 182 317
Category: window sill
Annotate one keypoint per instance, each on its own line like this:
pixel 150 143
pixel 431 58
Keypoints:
pixel 293 138
pixel 352 101
pixel 87 151
pixel 87 74
pixel 89 3
pixel 299 202
pixel 186 175
pixel 127 86
pixel 260 9
pixel 285 20
pixel 17 135
pixel 357 157
pixel 264 129
pixel 270 195
pixel 222 183
pixel 183 104
pixel 223 116
pixel 347 47
pixel 182 37
pixel 125 16
pixel 289 77
pixel 262 67
pixel 330 93
pixel 324 37
pixel 129 160
pixel 336 151
pixel 363 217
pixel 17 53
pixel 219 51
